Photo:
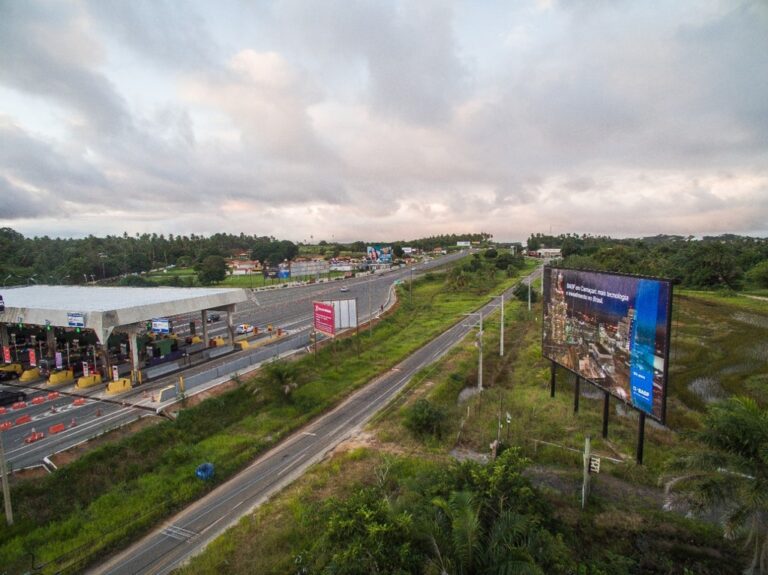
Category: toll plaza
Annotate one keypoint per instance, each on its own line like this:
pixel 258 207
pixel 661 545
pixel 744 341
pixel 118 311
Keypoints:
pixel 45 326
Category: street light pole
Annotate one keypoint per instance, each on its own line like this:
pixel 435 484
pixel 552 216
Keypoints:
pixel 501 329
pixel 480 356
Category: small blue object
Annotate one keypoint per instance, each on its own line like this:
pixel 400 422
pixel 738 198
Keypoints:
pixel 205 471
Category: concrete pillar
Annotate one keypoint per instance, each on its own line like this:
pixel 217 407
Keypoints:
pixel 230 327
pixel 204 318
pixel 133 350
pixel 50 342
pixel 5 339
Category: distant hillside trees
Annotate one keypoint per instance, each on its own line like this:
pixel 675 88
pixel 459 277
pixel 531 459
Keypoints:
pixel 711 262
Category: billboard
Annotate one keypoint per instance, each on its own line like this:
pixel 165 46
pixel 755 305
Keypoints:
pixel 612 330
pixel 379 254
pixel 161 325
pixel 344 313
pixel 324 320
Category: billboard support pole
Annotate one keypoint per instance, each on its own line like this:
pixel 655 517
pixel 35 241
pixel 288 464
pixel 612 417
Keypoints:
pixel 501 335
pixel 606 406
pixel 640 438
pixel 552 378
pixel 576 393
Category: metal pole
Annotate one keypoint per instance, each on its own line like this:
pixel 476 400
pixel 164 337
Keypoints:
pixel 606 407
pixel 370 316
pixel 410 289
pixel 6 487
pixel 576 390
pixel 501 336
pixel 640 438
pixel 529 293
pixel 552 378
pixel 480 357
pixel 585 484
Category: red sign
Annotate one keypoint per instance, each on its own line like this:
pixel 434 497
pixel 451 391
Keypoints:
pixel 6 354
pixel 324 318
pixel 32 358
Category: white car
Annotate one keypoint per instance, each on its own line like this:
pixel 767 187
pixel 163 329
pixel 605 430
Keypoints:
pixel 344 289
pixel 244 328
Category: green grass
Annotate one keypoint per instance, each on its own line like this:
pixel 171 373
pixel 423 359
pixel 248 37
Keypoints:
pixel 115 493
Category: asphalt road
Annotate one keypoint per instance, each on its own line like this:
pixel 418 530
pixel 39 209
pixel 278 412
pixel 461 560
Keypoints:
pixel 289 308
pixel 191 530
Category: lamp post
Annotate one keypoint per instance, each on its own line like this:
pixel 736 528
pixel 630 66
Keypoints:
pixel 410 288
pixel 501 329
pixel 103 270
pixel 480 346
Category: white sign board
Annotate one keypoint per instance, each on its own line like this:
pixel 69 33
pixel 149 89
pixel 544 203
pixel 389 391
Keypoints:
pixel 75 320
pixel 161 325
pixel 345 313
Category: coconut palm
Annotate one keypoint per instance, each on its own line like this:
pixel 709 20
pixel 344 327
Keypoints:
pixel 281 376
pixel 732 473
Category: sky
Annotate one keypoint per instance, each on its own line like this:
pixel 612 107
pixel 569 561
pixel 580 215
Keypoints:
pixel 383 120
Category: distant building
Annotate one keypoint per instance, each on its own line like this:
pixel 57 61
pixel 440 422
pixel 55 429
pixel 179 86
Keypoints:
pixel 241 267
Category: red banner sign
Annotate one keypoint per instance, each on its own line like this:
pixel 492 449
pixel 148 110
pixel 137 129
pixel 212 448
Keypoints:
pixel 324 318
pixel 6 354
pixel 32 358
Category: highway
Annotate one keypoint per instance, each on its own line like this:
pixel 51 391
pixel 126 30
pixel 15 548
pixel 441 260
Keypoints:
pixel 187 533
pixel 85 414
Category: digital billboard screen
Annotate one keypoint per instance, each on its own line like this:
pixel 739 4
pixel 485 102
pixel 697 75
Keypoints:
pixel 612 330
pixel 379 254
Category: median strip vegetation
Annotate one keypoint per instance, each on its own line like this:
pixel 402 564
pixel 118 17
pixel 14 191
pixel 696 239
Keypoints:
pixel 115 493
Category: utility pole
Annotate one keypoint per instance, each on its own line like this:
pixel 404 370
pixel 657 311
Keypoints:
pixel 501 337
pixel 410 289
pixel 529 293
pixel 370 316
pixel 480 356
pixel 6 488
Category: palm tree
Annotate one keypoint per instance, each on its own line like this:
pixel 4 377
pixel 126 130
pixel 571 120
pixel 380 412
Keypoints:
pixel 281 376
pixel 732 471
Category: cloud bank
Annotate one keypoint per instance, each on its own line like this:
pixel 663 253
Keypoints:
pixel 384 120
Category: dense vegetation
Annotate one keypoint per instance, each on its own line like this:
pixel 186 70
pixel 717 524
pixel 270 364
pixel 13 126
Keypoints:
pixel 712 262
pixel 76 261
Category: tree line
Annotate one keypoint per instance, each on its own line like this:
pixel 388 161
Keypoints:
pixel 49 260
pixel 727 261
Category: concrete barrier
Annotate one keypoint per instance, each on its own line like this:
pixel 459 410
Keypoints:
pixel 162 369
pixel 167 393
pixel 88 381
pixel 30 374
pixel 61 377
pixel 121 385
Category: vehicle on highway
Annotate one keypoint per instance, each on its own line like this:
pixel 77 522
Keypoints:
pixel 213 317
pixel 244 328
pixel 344 289
pixel 11 396
pixel 11 371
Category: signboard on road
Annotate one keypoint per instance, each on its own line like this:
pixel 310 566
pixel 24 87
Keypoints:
pixel 7 354
pixel 161 325
pixel 75 320
pixel 324 319
pixel 59 360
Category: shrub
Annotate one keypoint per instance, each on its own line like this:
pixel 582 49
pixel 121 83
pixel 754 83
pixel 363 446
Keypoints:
pixel 424 418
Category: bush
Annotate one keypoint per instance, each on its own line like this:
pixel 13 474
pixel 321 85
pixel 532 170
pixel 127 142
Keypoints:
pixel 424 418
pixel 521 293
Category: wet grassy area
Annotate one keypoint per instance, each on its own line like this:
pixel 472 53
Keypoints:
pixel 719 348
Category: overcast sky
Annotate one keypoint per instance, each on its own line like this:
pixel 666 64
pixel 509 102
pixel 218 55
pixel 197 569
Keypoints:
pixel 379 120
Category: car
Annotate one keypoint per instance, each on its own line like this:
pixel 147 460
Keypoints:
pixel 344 289
pixel 213 317
pixel 244 328
pixel 9 397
